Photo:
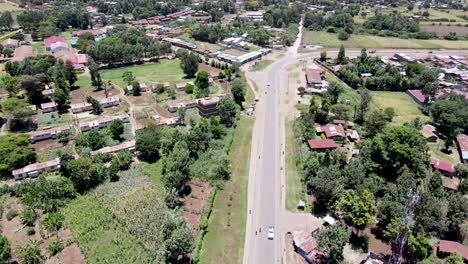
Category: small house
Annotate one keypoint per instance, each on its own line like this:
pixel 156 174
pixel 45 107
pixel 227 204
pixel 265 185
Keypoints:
pixel 35 169
pixel 49 107
pixel 322 144
pixel 446 168
pixel 462 144
pixel 208 106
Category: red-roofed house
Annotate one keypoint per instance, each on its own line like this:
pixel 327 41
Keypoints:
pixel 314 78
pixel 95 32
pixel 446 168
pixel 462 143
pixel 417 95
pixel 335 132
pixel 321 144
pixel 446 247
pixel 51 40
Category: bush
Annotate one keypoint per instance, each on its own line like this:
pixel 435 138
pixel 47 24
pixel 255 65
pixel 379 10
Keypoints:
pixel 28 217
pixel 188 88
pixel 55 247
pixel 11 214
pixel 31 231
pixel 343 35
pixel 31 253
pixel 5 249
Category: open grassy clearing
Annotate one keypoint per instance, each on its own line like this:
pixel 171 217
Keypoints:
pixel 226 228
pixel 405 108
pixel 261 65
pixel 9 7
pixel 367 41
pixel 435 151
pixel 100 238
pixel 162 71
pixel 84 82
pixel 294 186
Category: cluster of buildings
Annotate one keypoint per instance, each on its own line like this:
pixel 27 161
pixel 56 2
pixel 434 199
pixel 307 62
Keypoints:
pixel 22 49
pixel 332 135
pixel 104 102
pixel 59 48
pixel 206 106
pixel 180 15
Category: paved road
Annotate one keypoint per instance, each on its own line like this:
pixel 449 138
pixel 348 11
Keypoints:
pixel 266 193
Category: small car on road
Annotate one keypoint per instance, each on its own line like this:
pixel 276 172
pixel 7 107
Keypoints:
pixel 271 233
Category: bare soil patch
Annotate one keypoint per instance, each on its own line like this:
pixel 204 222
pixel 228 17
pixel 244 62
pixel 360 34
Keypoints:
pixel 442 30
pixel 16 233
pixel 145 98
pixel 377 245
pixel 45 145
pixel 195 202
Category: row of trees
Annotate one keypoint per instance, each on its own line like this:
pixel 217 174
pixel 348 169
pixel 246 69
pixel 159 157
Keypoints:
pixel 125 45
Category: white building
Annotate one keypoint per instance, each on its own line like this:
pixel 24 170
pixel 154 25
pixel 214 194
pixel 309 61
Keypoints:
pixel 49 107
pixel 129 145
pixel 33 170
pixel 47 133
pixel 101 123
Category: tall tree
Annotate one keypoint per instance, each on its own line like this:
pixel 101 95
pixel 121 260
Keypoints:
pixel 332 240
pixel 357 208
pixel 189 64
pixel 341 58
pixel 227 110
pixel 238 91
pixel 70 74
pixel 175 167
pixel 202 84
pixel 15 152
pixel 363 107
pixel 97 107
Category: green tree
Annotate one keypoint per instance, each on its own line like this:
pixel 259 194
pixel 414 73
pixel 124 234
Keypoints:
pixel 128 77
pixel 341 58
pixel 227 110
pixel 189 64
pixel 15 152
pixel 343 35
pixel 175 167
pixel 419 247
pixel 61 94
pixel 454 258
pixel 333 91
pixel 147 143
pixel 116 129
pixel 363 107
pixel 180 243
pixel 238 91
pixel 5 249
pixel 47 194
pixel 92 139
pixel 16 108
pixel 33 85
pixel 202 84
pixel 323 55
pixel 331 241
pixel 84 173
pixel 375 121
pixel 136 89
pixel 97 107
pixel 9 83
pixel 70 74
pixel 31 253
pixel 357 208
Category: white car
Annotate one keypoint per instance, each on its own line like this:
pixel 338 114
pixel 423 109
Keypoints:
pixel 271 233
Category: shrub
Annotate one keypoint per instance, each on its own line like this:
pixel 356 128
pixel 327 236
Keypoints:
pixel 55 247
pixel 343 35
pixel 31 231
pixel 31 253
pixel 28 217
pixel 5 249
pixel 53 221
pixel 11 214
pixel 188 88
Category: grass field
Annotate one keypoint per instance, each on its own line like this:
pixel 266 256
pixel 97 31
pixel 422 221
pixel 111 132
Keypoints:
pixel 294 186
pixel 162 71
pixel 9 7
pixel 84 82
pixel 367 41
pixel 260 66
pixel 100 238
pixel 226 229
pixel 405 108
pixel 435 151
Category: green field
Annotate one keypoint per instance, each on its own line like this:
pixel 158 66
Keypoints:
pixel 368 41
pixel 84 82
pixel 405 108
pixel 435 151
pixel 226 229
pixel 9 7
pixel 261 65
pixel 162 71
pixel 294 186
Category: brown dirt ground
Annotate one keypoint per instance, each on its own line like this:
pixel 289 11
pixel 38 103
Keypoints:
pixel 445 30
pixel 291 256
pixel 214 72
pixel 376 245
pixel 195 202
pixel 145 98
pixel 70 254
pixel 48 144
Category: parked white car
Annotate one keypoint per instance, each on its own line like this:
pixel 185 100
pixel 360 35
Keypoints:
pixel 271 233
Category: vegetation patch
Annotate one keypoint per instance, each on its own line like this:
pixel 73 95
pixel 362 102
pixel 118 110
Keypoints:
pixel 406 110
